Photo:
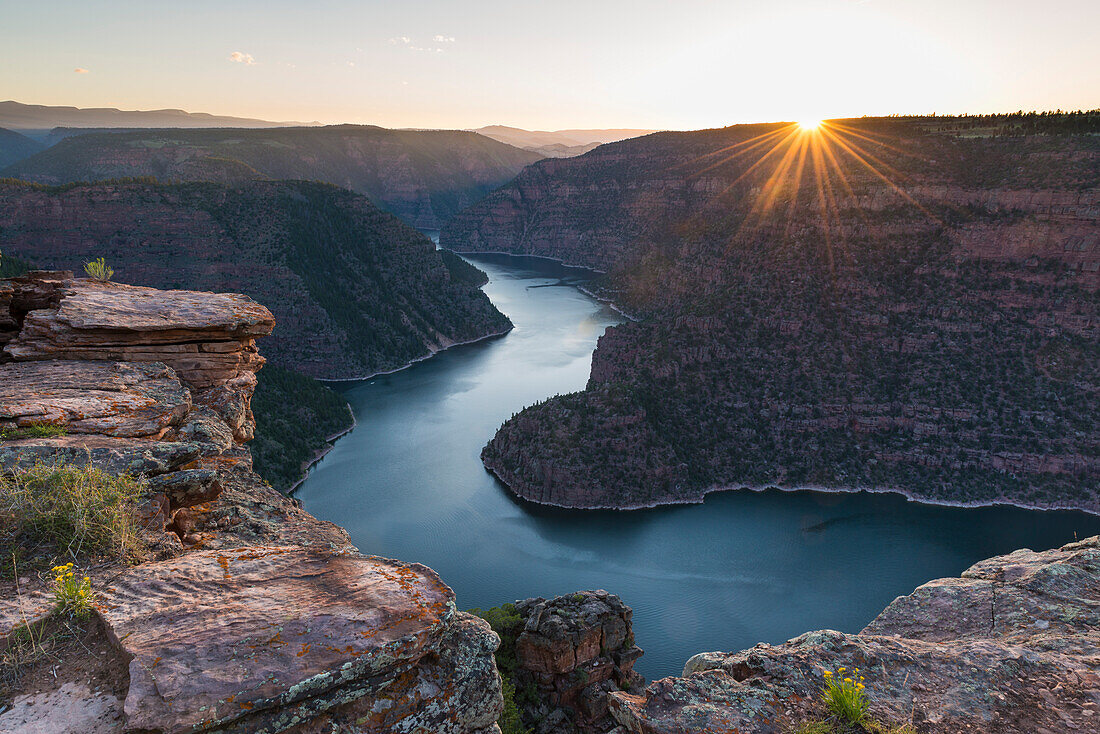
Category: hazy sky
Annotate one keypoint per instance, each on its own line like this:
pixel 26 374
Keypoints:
pixel 683 64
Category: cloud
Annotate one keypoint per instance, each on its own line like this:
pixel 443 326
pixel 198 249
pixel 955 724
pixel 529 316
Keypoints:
pixel 408 43
pixel 81 70
pixel 444 39
pixel 242 58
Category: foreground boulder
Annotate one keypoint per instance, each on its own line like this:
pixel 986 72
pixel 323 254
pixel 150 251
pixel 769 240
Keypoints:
pixel 264 637
pixel 1012 646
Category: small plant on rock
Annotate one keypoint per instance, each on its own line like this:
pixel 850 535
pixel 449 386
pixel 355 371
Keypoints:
pixel 71 594
pixel 845 696
pixel 99 269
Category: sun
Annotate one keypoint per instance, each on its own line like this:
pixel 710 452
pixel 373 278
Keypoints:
pixel 809 125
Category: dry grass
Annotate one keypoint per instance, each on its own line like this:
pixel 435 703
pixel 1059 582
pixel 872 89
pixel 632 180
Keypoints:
pixel 50 512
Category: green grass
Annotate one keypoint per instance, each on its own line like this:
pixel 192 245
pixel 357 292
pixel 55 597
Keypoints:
pixel 35 430
pixel 69 512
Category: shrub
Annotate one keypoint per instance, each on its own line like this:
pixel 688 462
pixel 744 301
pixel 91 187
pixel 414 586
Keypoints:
pixel 845 698
pixel 78 509
pixel 71 594
pixel 506 622
pixel 99 269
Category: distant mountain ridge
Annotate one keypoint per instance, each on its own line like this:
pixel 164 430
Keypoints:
pixel 558 143
pixel 43 118
pixel 425 177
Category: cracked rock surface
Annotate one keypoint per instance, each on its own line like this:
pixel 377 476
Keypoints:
pixel 1011 646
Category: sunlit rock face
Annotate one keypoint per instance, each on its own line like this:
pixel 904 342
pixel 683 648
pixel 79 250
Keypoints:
pixel 905 304
pixel 1010 646
pixel 249 614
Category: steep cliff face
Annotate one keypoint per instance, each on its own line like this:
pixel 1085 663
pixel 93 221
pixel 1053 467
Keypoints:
pixel 1009 647
pixel 572 651
pixel 423 176
pixel 882 304
pixel 355 290
pixel 248 614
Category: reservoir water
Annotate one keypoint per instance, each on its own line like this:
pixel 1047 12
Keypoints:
pixel 738 569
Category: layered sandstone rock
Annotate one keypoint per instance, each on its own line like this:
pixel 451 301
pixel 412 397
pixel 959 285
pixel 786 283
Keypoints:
pixel 255 616
pixel 1012 646
pixel 572 651
pixel 262 638
pixel 389 300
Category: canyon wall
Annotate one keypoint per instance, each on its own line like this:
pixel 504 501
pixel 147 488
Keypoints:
pixel 355 290
pixel 876 305
pixel 423 176
pixel 246 614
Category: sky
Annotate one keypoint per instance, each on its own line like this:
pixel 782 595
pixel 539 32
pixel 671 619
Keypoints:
pixel 655 64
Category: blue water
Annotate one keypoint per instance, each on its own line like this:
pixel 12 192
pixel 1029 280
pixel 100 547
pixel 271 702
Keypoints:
pixel 739 569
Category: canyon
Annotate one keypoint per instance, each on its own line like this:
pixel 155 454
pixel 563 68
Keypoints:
pixel 355 290
pixel 311 635
pixel 897 304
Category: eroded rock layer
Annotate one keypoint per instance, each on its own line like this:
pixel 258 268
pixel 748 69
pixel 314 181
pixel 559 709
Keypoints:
pixel 572 651
pixel 252 615
pixel 356 291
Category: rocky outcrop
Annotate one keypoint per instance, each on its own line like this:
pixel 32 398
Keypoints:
pixel 571 651
pixel 251 616
pixel 881 305
pixel 1010 647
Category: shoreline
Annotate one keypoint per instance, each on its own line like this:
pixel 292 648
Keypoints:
pixel 331 440
pixel 412 362
pixel 701 498
pixel 583 289
pixel 610 303
pixel 520 254
pixel 321 453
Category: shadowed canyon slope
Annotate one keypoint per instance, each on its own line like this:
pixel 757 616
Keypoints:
pixel 422 176
pixel 905 304
pixel 15 147
pixel 355 290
